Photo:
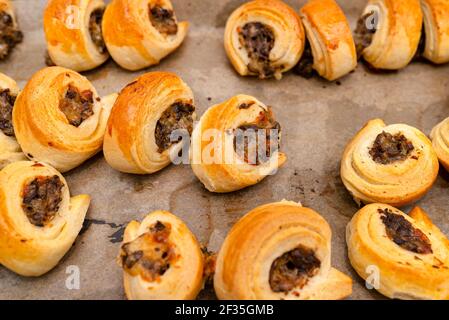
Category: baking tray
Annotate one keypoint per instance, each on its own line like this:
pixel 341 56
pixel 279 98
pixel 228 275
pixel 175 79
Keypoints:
pixel 317 117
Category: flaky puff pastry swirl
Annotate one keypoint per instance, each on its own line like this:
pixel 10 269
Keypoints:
pixel 134 40
pixel 213 153
pixel 32 242
pixel 11 34
pixel 436 28
pixel 9 148
pixel 161 258
pixel 330 38
pixel 260 243
pixel 402 256
pixel 264 19
pixel 138 115
pixel 73 33
pixel 440 142
pixel 58 133
pixel 398 26
pixel 406 178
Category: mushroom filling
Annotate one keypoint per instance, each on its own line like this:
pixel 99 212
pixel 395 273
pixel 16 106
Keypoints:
pixel 95 30
pixel 6 105
pixel 388 148
pixel 364 33
pixel 293 269
pixel 163 20
pixel 258 40
pixel 179 116
pixel 9 35
pixel 304 68
pixel 41 199
pixel 256 142
pixel 77 105
pixel 151 254
pixel 401 231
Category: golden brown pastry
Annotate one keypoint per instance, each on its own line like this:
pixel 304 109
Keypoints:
pixel 9 148
pixel 147 112
pixel 279 251
pixel 330 48
pixel 139 33
pixel 392 164
pixel 436 30
pixel 440 142
pixel 39 221
pixel 10 35
pixel 161 259
pixel 236 144
pixel 402 256
pixel 60 119
pixel 264 38
pixel 388 33
pixel 73 32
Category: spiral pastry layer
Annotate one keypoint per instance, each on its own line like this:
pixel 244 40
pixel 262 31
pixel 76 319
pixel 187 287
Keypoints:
pixel 10 34
pixel 436 30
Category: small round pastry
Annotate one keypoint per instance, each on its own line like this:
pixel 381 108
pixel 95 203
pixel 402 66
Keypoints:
pixel 435 35
pixel 139 33
pixel 405 256
pixel 39 221
pixel 161 259
pixel 236 144
pixel 60 119
pixel 9 148
pixel 440 142
pixel 264 38
pixel 388 33
pixel 330 49
pixel 10 35
pixel 392 164
pixel 279 251
pixel 74 35
pixel 147 113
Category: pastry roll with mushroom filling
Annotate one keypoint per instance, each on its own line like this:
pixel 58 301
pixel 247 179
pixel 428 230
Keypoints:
pixel 139 33
pixel 264 38
pixel 409 254
pixel 147 114
pixel 59 118
pixel 330 49
pixel 393 164
pixel 161 259
pixel 9 148
pixel 279 251
pixel 388 33
pixel 236 144
pixel 39 221
pixel 10 35
pixel 440 142
pixel 74 35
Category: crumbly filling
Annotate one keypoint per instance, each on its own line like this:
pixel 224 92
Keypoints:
pixel 95 29
pixel 293 269
pixel 364 33
pixel 401 231
pixel 388 148
pixel 77 105
pixel 179 116
pixel 163 20
pixel 7 100
pixel 10 36
pixel 41 199
pixel 304 68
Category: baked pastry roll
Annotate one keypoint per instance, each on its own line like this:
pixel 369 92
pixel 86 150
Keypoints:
pixel 392 164
pixel 388 33
pixel 440 142
pixel 161 259
pixel 139 33
pixel 39 221
pixel 9 148
pixel 236 144
pixel 74 33
pixel 60 119
pixel 404 256
pixel 279 251
pixel 330 49
pixel 264 38
pixel 10 35
pixel 146 114
pixel 435 36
